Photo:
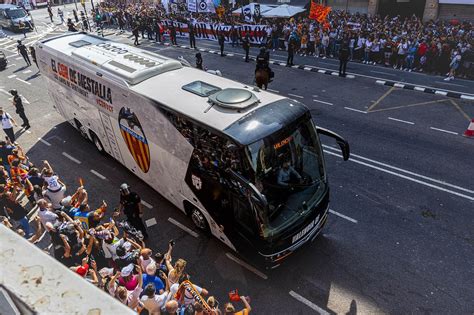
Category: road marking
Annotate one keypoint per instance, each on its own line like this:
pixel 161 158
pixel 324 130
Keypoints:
pixel 460 110
pixel 146 204
pixel 246 266
pixel 454 84
pixel 402 121
pixel 274 91
pixel 381 98
pixel 322 71
pixel 467 97
pixel 327 103
pixel 404 171
pixel 342 216
pixel 27 71
pixel 45 142
pixel 308 303
pixel 307 68
pixel 183 227
pixel 421 89
pixel 18 58
pixel 391 74
pixel 71 158
pixel 98 174
pixel 23 81
pixel 355 110
pixel 13 64
pixel 230 55
pixel 26 130
pixel 294 95
pixel 441 93
pixel 11 76
pixel 150 222
pixel 442 130
pixel 407 177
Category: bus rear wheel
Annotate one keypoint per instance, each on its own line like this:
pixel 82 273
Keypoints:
pixel 199 220
pixel 97 143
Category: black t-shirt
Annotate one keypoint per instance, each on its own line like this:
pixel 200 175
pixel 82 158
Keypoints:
pixel 18 103
pixel 130 204
pixel 22 49
pixel 36 180
pixel 5 151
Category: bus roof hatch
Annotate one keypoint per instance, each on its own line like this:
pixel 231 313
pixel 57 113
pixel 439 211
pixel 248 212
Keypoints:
pixel 234 98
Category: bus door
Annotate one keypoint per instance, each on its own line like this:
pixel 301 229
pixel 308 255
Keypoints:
pixel 246 202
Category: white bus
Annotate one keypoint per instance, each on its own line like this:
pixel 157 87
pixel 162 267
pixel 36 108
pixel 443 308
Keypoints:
pixel 246 165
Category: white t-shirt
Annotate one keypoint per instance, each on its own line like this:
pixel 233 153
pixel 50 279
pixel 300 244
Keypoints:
pixel 6 122
pixel 53 182
pixel 55 197
pixel 145 262
pixel 188 298
pixel 153 305
pixel 47 216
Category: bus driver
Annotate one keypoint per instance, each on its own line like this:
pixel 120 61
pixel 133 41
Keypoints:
pixel 285 174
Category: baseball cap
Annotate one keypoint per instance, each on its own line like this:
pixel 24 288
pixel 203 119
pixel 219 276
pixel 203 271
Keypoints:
pixel 127 270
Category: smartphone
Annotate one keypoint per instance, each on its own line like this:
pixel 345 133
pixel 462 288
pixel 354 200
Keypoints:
pixel 172 242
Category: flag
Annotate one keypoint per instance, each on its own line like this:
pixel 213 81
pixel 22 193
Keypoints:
pixel 319 13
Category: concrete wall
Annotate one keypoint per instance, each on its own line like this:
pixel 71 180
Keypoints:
pixel 352 6
pixel 456 11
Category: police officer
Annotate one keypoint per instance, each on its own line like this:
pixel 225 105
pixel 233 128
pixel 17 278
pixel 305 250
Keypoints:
pixel 343 57
pixel 23 52
pixel 136 33
pixel 221 40
pixel 263 62
pixel 85 24
pixel 130 204
pixel 20 110
pixel 291 51
pixel 70 26
pixel 76 18
pixel 192 37
pixel 246 46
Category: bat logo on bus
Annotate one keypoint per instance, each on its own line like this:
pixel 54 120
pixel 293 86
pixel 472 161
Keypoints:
pixel 134 136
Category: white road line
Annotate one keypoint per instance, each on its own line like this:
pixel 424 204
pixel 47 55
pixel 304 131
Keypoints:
pixel 327 103
pixel 391 74
pixel 407 178
pixel 446 131
pixel 246 266
pixel 421 89
pixel 307 68
pixel 441 93
pixel 146 204
pixel 402 121
pixel 308 303
pixel 467 97
pixel 342 216
pixel 183 227
pixel 335 73
pixel 150 222
pixel 399 85
pixel 230 55
pixel 23 81
pixel 45 142
pixel 71 158
pixel 27 131
pixel 441 82
pixel 27 71
pixel 274 91
pixel 356 110
pixel 404 171
pixel 13 64
pixel 98 174
pixel 294 95
pixel 18 58
pixel 5 92
pixel 11 76
pixel 322 71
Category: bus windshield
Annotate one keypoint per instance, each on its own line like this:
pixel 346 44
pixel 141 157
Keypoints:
pixel 16 13
pixel 289 172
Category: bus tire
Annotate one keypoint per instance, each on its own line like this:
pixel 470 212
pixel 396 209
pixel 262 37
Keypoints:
pixel 199 220
pixel 80 127
pixel 97 143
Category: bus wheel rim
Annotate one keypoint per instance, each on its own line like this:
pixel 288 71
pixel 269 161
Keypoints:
pixel 198 219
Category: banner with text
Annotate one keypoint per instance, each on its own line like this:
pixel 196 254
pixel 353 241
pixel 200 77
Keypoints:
pixel 210 31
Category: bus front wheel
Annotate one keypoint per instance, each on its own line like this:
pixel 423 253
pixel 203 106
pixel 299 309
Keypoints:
pixel 199 220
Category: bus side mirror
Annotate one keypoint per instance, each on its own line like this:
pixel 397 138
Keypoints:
pixel 343 144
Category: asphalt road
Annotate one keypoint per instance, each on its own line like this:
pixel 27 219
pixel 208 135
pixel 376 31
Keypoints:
pixel 399 239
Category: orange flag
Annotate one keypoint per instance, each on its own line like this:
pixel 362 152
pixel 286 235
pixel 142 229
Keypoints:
pixel 319 13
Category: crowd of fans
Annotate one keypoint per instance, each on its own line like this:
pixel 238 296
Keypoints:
pixel 88 240
pixel 436 47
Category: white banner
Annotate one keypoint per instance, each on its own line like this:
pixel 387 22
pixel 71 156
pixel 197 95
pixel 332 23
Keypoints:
pixel 205 6
pixel 192 5
pixel 204 30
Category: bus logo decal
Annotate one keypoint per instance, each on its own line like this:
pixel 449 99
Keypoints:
pixel 134 136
